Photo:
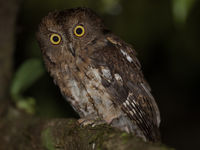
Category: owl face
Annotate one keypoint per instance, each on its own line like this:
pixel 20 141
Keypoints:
pixel 68 32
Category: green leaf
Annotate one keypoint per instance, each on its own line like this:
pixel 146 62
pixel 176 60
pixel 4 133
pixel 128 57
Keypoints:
pixel 27 74
pixel 27 104
pixel 181 10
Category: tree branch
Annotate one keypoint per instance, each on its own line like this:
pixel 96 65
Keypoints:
pixel 8 13
pixel 29 133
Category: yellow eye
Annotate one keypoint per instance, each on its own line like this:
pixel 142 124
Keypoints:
pixel 55 39
pixel 79 30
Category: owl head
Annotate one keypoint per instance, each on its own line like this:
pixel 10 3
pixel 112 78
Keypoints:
pixel 68 32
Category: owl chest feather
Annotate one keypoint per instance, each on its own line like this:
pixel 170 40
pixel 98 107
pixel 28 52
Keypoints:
pixel 81 85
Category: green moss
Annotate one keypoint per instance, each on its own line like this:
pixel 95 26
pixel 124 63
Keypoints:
pixel 47 139
pixel 124 135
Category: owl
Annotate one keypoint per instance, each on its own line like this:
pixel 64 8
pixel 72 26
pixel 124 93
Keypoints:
pixel 97 72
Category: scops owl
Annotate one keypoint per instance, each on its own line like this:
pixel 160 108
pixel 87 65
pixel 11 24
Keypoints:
pixel 97 72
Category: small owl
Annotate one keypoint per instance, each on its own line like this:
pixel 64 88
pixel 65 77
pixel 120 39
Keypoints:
pixel 97 72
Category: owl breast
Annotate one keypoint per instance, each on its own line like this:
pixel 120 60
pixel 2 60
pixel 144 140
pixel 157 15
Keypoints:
pixel 89 97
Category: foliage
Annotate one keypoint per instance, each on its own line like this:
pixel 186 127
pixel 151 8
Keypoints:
pixel 27 74
pixel 181 9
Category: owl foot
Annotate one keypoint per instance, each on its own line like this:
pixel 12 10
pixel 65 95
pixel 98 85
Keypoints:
pixel 93 122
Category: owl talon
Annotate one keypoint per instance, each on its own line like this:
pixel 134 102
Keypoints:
pixel 85 122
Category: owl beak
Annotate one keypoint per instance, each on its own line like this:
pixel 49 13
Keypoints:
pixel 72 49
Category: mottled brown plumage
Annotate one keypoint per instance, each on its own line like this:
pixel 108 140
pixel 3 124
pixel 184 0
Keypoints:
pixel 97 72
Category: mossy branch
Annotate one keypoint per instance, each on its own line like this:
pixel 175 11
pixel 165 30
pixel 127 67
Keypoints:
pixel 28 133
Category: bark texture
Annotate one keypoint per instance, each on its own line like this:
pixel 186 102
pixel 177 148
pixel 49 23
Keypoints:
pixel 8 12
pixel 21 132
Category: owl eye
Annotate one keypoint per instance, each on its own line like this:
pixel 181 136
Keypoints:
pixel 79 31
pixel 55 39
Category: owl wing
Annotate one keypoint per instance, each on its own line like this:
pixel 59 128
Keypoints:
pixel 127 85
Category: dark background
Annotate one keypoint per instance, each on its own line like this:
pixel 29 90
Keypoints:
pixel 166 36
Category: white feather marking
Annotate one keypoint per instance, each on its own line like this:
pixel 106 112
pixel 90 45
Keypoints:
pixel 118 77
pixel 140 114
pixel 96 73
pixel 131 113
pixel 124 104
pixel 133 104
pixel 131 101
pixel 127 102
pixel 126 55
pixel 106 73
pixel 134 111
